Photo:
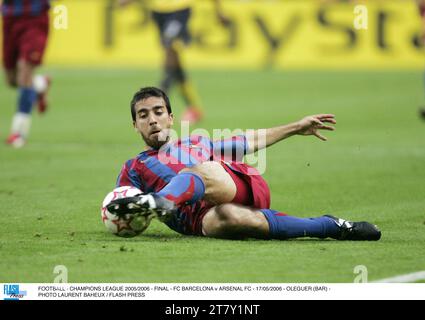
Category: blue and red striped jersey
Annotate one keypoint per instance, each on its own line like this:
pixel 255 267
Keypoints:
pixel 24 8
pixel 153 169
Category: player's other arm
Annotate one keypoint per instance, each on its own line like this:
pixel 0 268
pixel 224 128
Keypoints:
pixel 310 125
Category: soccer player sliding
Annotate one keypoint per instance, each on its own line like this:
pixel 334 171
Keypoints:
pixel 201 187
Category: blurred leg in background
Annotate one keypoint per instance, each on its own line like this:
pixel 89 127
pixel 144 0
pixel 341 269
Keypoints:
pixel 174 31
pixel 24 41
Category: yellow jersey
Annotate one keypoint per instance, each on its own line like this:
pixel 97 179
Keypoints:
pixel 169 5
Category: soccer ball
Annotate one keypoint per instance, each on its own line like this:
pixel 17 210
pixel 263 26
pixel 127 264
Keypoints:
pixel 128 226
pixel 40 83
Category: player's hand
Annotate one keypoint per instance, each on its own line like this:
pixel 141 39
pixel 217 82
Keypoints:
pixel 312 124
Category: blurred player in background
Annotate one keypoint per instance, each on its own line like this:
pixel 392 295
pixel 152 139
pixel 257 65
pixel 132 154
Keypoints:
pixel 421 5
pixel 25 33
pixel 201 187
pixel 172 19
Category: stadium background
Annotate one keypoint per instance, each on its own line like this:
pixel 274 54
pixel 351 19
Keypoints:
pixel 283 34
pixel 279 61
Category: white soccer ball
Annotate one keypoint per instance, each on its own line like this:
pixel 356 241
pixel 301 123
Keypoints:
pixel 128 226
pixel 40 83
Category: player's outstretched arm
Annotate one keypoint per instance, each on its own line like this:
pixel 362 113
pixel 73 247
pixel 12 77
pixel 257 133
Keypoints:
pixel 310 125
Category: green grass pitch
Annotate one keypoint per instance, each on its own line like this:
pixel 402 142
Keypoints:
pixel 372 168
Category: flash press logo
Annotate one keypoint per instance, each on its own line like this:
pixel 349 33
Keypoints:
pixel 12 292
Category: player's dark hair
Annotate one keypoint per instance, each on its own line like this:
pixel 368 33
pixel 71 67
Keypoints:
pixel 148 92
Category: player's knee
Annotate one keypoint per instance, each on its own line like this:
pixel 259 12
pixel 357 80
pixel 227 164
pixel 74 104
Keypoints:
pixel 228 221
pixel 25 73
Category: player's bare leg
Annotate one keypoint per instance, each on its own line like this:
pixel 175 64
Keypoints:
pixel 31 89
pixel 171 67
pixel 21 121
pixel 175 73
pixel 25 73
pixel 219 185
pixel 232 221
pixel 39 83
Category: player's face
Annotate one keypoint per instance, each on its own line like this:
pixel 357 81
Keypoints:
pixel 153 121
